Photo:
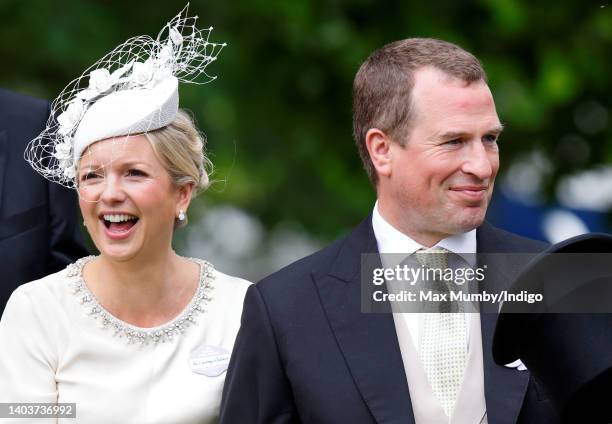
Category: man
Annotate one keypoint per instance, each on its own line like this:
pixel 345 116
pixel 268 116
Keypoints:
pixel 39 232
pixel 426 128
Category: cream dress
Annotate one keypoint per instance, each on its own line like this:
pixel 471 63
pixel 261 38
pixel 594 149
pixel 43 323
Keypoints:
pixel 57 344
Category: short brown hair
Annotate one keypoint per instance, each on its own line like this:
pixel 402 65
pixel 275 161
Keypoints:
pixel 383 86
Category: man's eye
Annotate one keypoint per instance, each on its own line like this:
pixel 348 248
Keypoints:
pixel 454 142
pixel 136 173
pixel 490 138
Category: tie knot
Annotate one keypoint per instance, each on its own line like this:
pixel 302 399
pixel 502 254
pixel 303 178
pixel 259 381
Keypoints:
pixel 433 258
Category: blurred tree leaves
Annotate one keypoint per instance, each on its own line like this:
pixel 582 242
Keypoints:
pixel 278 119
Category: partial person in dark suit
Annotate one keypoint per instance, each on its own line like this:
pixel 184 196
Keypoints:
pixel 426 128
pixel 39 229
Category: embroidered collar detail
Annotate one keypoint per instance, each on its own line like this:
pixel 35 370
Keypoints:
pixel 144 336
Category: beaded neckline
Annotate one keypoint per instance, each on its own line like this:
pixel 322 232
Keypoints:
pixel 144 336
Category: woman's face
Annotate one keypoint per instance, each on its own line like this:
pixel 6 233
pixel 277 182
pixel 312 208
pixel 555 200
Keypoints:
pixel 127 198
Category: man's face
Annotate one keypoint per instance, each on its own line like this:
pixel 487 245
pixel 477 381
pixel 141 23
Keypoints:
pixel 441 181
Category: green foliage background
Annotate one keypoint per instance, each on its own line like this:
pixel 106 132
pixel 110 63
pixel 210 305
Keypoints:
pixel 278 119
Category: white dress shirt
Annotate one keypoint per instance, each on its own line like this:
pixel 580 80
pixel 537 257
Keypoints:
pixel 427 409
pixel 391 240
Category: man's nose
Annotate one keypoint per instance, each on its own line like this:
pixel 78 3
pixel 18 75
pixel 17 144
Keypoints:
pixel 479 161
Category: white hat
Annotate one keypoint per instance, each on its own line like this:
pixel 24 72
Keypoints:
pixel 131 90
pixel 126 112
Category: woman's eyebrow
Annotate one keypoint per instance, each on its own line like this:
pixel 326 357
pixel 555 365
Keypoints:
pixel 90 167
pixel 132 163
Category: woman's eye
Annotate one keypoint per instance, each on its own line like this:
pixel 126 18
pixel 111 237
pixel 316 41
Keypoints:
pixel 135 173
pixel 89 176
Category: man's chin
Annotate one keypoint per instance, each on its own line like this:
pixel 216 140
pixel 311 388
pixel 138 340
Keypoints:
pixel 468 220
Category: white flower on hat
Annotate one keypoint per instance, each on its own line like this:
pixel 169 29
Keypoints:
pixel 71 116
pixel 176 37
pixel 87 94
pixel 164 56
pixel 62 150
pixel 100 80
pixel 64 163
pixel 64 129
pixel 142 73
pixel 70 172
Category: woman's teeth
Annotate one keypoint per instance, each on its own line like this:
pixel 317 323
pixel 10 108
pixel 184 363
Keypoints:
pixel 118 218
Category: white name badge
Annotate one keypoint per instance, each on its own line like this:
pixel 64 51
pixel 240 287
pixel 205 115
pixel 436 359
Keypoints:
pixel 208 360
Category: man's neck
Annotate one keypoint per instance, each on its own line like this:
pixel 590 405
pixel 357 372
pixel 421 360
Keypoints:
pixel 398 221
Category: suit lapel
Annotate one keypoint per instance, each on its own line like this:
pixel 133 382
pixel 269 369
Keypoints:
pixel 368 340
pixel 505 387
pixel 3 163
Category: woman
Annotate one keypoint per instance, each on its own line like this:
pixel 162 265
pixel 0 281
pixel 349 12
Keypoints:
pixel 138 333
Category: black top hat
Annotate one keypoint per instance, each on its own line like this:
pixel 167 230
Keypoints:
pixel 565 340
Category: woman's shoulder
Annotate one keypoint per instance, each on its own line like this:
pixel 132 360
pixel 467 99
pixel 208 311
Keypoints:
pixel 224 301
pixel 43 292
pixel 42 286
pixel 224 284
pixel 32 304
pixel 231 289
pixel 230 282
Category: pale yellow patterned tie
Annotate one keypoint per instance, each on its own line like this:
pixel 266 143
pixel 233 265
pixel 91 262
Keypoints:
pixel 443 336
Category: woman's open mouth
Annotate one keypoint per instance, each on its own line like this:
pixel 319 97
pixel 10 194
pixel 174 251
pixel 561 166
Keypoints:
pixel 119 226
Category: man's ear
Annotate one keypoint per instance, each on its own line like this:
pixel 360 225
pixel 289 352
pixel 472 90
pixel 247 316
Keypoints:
pixel 379 147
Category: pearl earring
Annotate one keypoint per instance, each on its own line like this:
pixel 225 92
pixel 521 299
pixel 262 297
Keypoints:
pixel 181 215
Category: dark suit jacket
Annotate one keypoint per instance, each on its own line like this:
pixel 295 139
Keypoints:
pixel 306 354
pixel 39 230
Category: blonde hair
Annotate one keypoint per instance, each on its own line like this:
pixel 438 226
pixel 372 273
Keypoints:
pixel 180 148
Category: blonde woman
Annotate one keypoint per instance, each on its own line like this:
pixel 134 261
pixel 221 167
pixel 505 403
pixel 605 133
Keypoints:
pixel 137 334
